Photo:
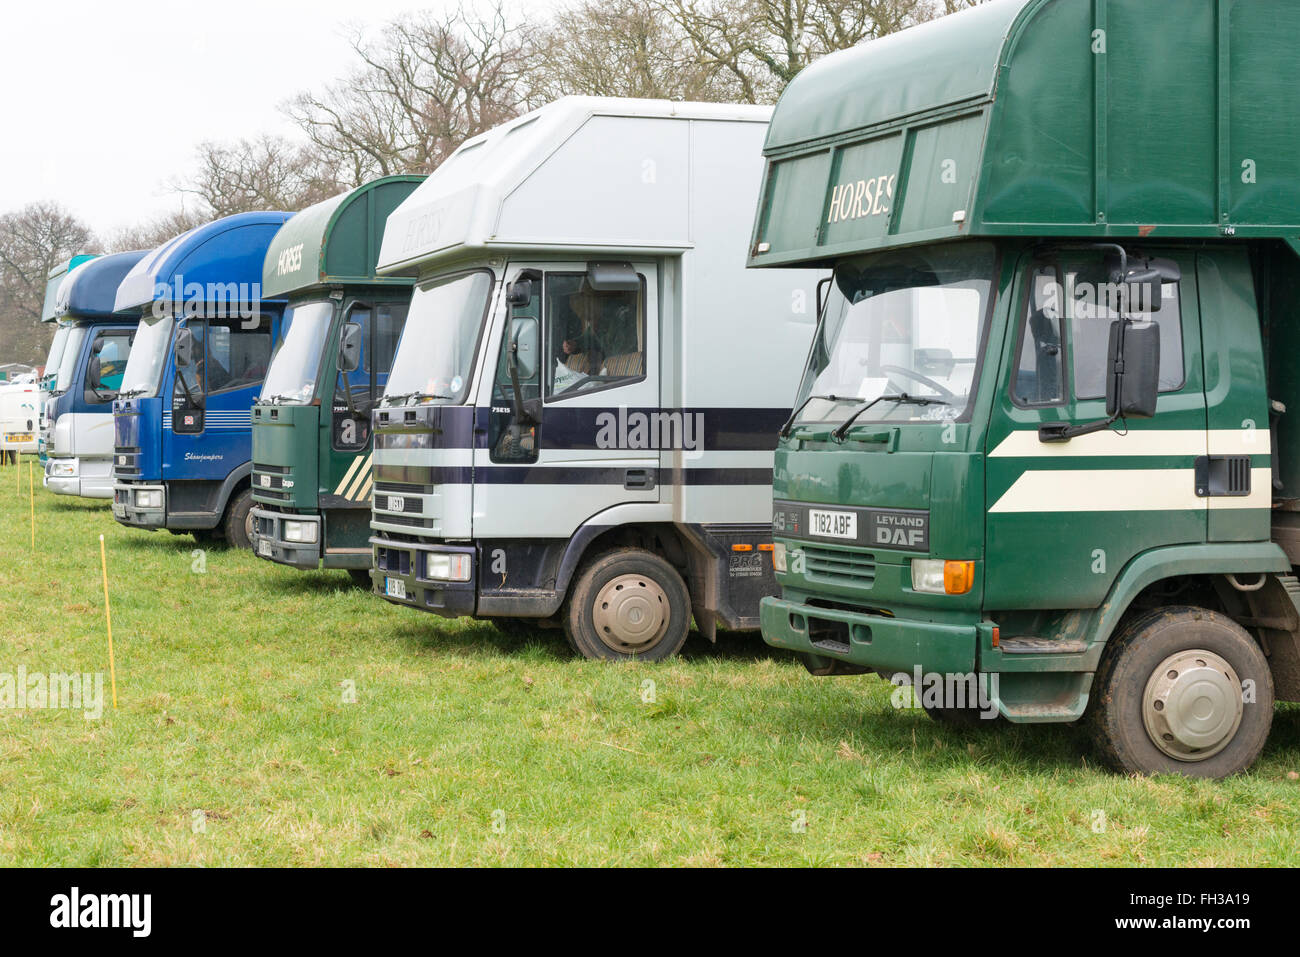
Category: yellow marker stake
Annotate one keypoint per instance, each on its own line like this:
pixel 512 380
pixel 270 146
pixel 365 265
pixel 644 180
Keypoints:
pixel 108 620
pixel 31 493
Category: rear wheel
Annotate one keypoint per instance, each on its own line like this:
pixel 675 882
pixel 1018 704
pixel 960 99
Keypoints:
pixel 238 525
pixel 1182 690
pixel 627 604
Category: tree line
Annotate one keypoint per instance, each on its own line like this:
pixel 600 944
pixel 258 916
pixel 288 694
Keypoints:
pixel 427 81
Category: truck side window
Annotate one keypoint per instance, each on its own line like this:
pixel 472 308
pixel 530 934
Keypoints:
pixel 511 440
pixel 1039 374
pixel 111 349
pixel 594 339
pixel 390 317
pixel 1093 306
pixel 188 388
pixel 236 358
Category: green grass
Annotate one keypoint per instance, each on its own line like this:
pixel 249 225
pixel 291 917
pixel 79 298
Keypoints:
pixel 231 683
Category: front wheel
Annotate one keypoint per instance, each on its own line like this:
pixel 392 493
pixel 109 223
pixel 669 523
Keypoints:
pixel 627 604
pixel 238 526
pixel 1182 690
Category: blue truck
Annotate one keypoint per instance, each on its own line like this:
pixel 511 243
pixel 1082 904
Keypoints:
pixel 182 456
pixel 77 420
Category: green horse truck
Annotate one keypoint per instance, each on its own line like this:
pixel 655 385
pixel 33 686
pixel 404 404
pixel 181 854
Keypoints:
pixel 1045 459
pixel 311 426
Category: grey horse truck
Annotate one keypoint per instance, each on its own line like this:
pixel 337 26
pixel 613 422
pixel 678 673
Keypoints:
pixel 579 425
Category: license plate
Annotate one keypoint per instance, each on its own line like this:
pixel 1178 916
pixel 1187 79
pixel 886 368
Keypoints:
pixel 396 503
pixel 394 588
pixel 833 524
pixel 18 436
pixel 264 547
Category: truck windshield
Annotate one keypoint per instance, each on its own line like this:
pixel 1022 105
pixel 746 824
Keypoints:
pixel 904 328
pixel 68 361
pixel 291 379
pixel 436 354
pixel 148 356
pixel 55 358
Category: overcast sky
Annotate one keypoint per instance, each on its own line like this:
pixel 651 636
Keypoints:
pixel 102 103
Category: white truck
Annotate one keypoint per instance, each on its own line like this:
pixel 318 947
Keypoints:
pixel 579 424
pixel 20 408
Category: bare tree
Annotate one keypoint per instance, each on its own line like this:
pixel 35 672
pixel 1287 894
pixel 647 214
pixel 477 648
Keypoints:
pixel 763 44
pixel 154 232
pixel 268 172
pixel 424 87
pixel 33 241
pixel 637 49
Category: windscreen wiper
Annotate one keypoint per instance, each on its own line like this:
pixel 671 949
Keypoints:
pixel 789 423
pixel 902 398
pixel 403 397
pixel 131 393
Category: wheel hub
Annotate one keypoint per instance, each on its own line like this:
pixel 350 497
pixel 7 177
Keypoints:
pixel 631 613
pixel 1192 705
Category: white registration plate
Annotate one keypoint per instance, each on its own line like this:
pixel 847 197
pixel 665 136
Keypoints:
pixel 264 547
pixel 394 588
pixel 832 524
pixel 264 480
pixel 396 503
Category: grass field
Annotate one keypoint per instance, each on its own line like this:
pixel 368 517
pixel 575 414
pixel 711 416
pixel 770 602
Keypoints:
pixel 235 741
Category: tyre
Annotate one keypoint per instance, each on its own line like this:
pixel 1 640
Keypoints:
pixel 360 577
pixel 1182 690
pixel 238 525
pixel 627 604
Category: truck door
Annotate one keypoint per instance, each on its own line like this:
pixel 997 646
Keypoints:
pixel 210 432
pixel 587 348
pixel 1063 518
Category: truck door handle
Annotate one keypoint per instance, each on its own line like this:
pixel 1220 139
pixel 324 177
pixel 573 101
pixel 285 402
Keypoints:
pixel 638 479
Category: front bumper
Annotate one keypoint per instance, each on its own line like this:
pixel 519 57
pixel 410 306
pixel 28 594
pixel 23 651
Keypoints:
pixel 398 575
pixel 126 511
pixel 884 644
pixel 269 541
pixel 87 478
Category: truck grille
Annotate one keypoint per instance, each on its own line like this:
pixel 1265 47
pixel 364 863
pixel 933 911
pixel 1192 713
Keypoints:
pixel 840 567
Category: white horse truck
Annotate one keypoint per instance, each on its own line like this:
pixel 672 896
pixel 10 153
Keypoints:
pixel 579 424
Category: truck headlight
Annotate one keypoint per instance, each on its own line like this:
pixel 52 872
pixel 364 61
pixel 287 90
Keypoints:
pixel 937 576
pixel 148 498
pixel 448 566
pixel 778 556
pixel 303 532
pixel 63 468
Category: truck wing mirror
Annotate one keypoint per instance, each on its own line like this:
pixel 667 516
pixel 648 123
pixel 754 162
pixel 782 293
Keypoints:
pixel 184 348
pixel 350 347
pixel 93 371
pixel 523 346
pixel 1133 378
pixel 520 293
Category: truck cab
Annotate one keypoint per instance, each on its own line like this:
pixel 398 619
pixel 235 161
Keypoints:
pixel 182 457
pixel 1042 458
pixel 311 425
pixel 578 427
pixel 59 337
pixel 93 352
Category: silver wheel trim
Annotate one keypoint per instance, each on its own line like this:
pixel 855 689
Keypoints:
pixel 631 613
pixel 1192 705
